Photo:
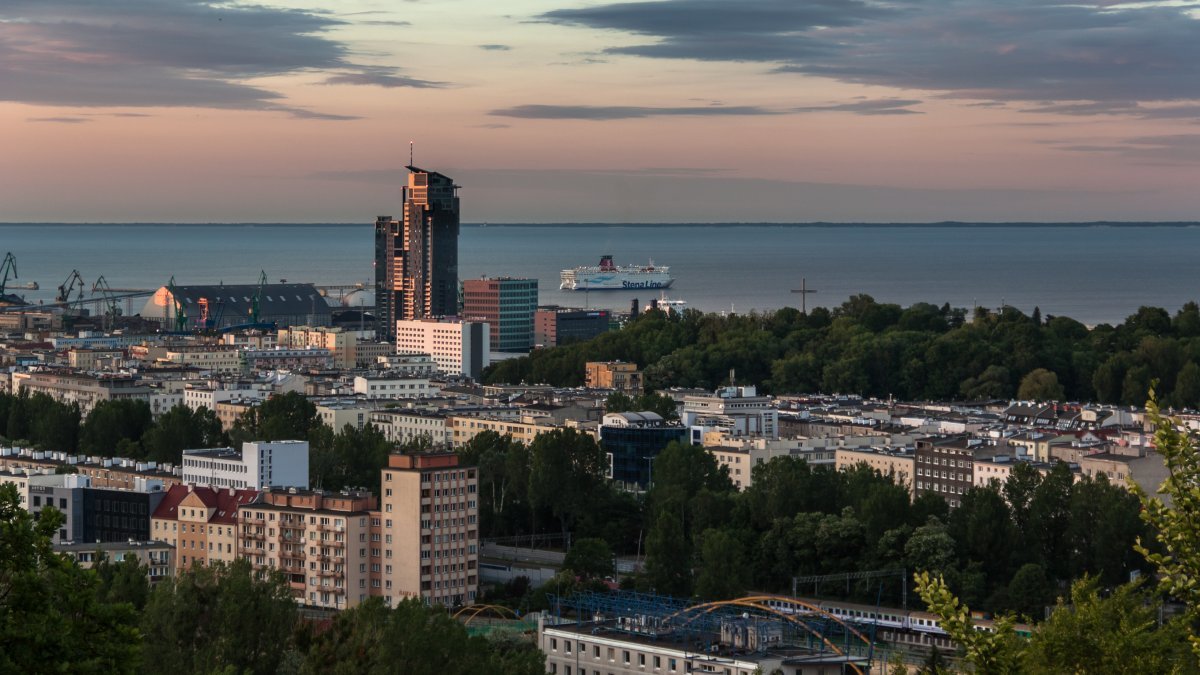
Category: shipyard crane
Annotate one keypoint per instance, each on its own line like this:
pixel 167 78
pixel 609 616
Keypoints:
pixel 112 309
pixel 9 266
pixel 256 301
pixel 179 312
pixel 65 289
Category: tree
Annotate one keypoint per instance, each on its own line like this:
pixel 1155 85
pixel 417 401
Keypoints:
pixel 373 639
pixel 282 417
pixel 51 614
pixel 216 617
pixel 1030 591
pixel 1115 632
pixel 668 555
pixel 122 581
pixel 930 548
pixel 589 558
pixel 723 569
pixel 1040 385
pixel 990 653
pixel 566 470
pixel 110 422
pixel 1174 521
pixel 179 429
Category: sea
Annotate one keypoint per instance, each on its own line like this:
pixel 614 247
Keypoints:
pixel 1095 273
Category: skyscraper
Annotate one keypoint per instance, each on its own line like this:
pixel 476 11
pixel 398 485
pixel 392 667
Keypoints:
pixel 416 258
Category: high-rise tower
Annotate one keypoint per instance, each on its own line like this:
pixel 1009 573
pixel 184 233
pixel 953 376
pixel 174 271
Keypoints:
pixel 416 258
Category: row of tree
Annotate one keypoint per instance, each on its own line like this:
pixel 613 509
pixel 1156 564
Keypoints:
pixel 350 457
pixel 57 617
pixel 920 352
pixel 1009 546
pixel 116 428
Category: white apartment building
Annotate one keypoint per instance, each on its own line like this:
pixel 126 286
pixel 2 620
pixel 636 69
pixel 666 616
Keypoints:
pixel 393 385
pixel 402 426
pixel 457 347
pixel 208 396
pixel 258 465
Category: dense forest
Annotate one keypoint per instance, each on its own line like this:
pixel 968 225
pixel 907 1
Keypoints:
pixel 922 352
pixel 1011 546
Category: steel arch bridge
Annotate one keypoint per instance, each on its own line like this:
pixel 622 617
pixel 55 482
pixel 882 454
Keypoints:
pixel 778 606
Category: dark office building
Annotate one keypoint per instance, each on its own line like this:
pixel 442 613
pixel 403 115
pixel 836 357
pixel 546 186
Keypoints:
pixel 632 441
pixel 117 515
pixel 554 325
pixel 416 257
pixel 507 305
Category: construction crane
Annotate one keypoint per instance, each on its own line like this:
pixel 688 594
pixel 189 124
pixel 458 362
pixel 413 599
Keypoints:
pixel 210 313
pixel 9 266
pixel 179 312
pixel 112 308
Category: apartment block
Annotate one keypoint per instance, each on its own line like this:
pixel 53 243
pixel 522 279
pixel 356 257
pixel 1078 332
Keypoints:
pixel 457 347
pixel 200 523
pixel 318 540
pixel 430 529
pixel 617 375
pixel 342 345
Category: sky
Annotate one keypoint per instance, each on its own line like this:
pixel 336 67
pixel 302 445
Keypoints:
pixel 600 111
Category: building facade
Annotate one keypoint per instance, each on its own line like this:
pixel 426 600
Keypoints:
pixel 507 305
pixel 737 411
pixel 457 347
pixel 258 465
pixel 430 518
pixel 632 440
pixel 416 257
pixel 340 343
pixel 617 375
pixel 318 540
pixel 200 523
pixel 553 325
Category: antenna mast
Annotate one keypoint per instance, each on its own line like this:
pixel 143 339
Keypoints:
pixel 410 153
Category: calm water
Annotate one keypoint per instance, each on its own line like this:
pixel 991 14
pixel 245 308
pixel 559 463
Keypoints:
pixel 1094 273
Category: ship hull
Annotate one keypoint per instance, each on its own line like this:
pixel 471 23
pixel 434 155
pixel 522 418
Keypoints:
pixel 615 282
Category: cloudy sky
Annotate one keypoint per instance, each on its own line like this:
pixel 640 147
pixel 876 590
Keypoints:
pixel 569 110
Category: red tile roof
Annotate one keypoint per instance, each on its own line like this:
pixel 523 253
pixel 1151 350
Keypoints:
pixel 224 502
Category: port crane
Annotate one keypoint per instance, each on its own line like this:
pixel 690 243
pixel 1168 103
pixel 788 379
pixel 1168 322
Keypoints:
pixel 179 312
pixel 112 308
pixel 65 289
pixel 9 266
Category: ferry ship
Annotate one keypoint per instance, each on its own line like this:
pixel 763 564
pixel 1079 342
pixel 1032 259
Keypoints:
pixel 609 277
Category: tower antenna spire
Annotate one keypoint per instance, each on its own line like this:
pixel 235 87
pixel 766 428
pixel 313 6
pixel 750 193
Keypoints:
pixel 410 153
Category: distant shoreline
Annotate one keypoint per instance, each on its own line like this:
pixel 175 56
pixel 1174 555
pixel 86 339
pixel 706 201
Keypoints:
pixel 942 224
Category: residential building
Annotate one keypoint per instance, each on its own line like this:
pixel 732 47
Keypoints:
pixel 336 414
pixel 287 358
pixel 156 556
pixel 209 394
pixel 200 523
pixel 946 466
pixel 393 385
pixel 430 524
pixel 258 465
pixel 318 540
pixel 616 375
pixel 899 464
pixel 95 359
pixel 342 344
pixel 416 257
pixel 457 347
pixel 82 389
pixel 211 358
pixel 507 305
pixel 632 441
pixel 554 325
pixel 404 426
pixel 464 427
pixel 413 365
